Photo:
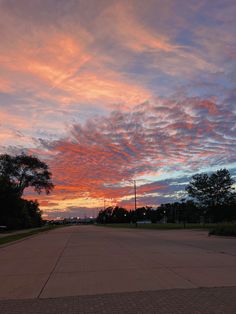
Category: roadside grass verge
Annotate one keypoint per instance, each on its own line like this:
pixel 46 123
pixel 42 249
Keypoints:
pixel 224 230
pixel 21 235
pixel 154 226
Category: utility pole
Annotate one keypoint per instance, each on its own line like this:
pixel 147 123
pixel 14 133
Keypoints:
pixel 135 203
pixel 135 196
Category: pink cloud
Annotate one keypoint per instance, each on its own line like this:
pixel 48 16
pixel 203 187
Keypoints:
pixel 82 86
pixel 98 156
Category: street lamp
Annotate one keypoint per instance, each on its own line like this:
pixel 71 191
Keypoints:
pixel 164 216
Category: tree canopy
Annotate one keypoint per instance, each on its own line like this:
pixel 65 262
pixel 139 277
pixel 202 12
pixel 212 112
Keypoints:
pixel 16 174
pixel 24 171
pixel 212 190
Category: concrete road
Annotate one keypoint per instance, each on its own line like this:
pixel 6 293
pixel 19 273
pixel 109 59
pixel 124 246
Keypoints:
pixel 90 260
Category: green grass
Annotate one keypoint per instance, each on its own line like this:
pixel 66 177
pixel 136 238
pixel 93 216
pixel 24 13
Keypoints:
pixel 224 230
pixel 167 226
pixel 27 233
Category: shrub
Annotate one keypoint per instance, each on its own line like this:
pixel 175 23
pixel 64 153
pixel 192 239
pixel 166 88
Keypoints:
pixel 224 230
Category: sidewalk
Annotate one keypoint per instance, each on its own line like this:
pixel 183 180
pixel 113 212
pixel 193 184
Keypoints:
pixel 188 301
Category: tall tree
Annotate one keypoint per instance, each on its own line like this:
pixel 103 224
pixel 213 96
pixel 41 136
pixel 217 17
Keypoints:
pixel 212 190
pixel 24 171
pixel 16 174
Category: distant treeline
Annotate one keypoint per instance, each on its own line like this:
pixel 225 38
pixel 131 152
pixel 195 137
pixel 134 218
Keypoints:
pixel 177 212
pixel 211 198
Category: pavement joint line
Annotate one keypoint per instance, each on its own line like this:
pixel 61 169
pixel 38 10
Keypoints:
pixel 55 265
pixel 169 268
pixel 182 276
pixel 202 248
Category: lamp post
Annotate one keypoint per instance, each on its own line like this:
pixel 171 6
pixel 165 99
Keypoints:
pixel 164 217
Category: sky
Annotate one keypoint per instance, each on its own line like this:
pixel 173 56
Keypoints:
pixel 107 92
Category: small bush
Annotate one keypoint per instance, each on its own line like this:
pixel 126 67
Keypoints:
pixel 224 230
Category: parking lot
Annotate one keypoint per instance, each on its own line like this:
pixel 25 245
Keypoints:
pixel 95 262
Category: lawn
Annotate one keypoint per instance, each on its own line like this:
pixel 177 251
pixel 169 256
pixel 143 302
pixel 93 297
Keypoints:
pixel 167 226
pixel 23 234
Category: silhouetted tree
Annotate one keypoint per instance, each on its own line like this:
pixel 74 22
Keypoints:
pixel 214 195
pixel 34 213
pixel 24 171
pixel 16 174
pixel 113 215
pixel 105 216
pixel 212 190
pixel 120 215
pixel 179 212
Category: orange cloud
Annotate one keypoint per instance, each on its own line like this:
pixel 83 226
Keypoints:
pixel 132 32
pixel 5 86
pixel 64 69
pixel 91 163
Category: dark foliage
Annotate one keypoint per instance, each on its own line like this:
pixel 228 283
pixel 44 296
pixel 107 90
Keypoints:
pixel 213 200
pixel 113 215
pixel 16 174
pixel 121 215
pixel 224 230
pixel 214 195
pixel 25 171
pixel 180 212
pixel 212 190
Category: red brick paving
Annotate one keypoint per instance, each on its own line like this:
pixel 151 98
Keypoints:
pixel 178 301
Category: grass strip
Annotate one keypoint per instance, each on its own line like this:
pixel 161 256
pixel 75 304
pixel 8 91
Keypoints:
pixel 168 226
pixel 18 236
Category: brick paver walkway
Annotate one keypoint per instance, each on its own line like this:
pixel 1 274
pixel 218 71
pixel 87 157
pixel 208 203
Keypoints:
pixel 178 301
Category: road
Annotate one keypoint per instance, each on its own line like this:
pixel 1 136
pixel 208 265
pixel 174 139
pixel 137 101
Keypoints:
pixel 103 264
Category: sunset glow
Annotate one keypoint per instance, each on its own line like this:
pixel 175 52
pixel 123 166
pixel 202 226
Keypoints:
pixel 107 92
